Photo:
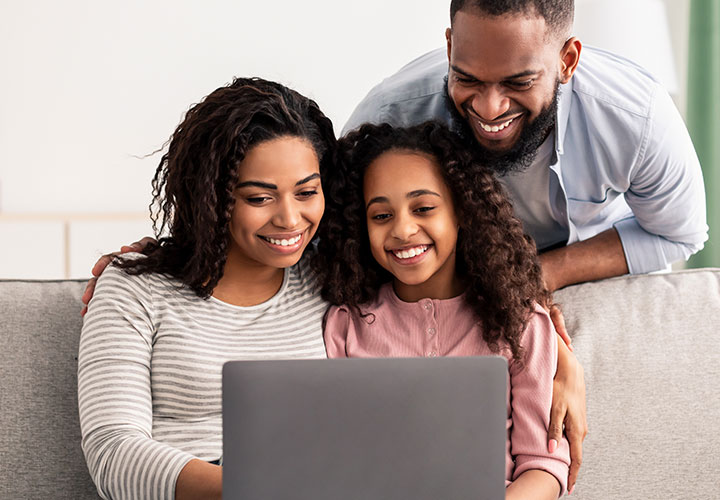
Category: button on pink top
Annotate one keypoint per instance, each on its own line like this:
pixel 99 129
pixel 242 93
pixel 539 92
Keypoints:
pixel 449 328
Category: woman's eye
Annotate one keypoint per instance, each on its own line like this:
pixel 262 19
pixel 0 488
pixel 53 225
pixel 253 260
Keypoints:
pixel 257 200
pixel 308 193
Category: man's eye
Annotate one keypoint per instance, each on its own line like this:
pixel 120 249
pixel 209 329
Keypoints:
pixel 524 85
pixel 461 79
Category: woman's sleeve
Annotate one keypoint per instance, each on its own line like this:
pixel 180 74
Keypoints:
pixel 335 331
pixel 531 397
pixel 115 397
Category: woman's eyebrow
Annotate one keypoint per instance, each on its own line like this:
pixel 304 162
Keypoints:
pixel 259 184
pixel 267 185
pixel 308 179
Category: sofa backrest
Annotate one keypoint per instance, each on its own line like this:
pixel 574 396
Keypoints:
pixel 40 454
pixel 650 347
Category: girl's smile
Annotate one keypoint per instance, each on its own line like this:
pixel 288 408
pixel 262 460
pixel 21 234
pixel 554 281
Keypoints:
pixel 412 225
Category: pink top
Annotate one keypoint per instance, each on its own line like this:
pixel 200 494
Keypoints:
pixel 448 328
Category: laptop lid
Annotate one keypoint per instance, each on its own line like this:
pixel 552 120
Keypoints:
pixel 422 429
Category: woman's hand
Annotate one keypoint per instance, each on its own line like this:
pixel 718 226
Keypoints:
pixel 103 262
pixel 568 408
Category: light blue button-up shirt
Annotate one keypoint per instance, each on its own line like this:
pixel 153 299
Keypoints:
pixel 623 157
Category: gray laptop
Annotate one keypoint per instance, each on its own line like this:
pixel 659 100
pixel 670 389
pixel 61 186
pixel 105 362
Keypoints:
pixel 395 429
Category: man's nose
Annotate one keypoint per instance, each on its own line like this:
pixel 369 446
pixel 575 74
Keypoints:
pixel 490 103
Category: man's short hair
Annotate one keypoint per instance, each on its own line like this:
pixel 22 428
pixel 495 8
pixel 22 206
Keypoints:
pixel 558 14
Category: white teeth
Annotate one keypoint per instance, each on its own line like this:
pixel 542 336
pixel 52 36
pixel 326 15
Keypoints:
pixel 284 242
pixel 495 128
pixel 412 252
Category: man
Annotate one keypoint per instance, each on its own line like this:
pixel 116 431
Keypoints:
pixel 593 153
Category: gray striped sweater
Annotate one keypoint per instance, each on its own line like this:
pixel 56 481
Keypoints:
pixel 149 372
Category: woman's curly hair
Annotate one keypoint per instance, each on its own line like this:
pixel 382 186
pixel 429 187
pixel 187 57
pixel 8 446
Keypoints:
pixel 496 260
pixel 194 183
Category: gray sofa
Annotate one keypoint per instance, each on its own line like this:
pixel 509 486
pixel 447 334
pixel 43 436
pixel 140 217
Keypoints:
pixel 650 346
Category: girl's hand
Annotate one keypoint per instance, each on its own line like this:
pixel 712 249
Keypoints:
pixel 103 262
pixel 568 408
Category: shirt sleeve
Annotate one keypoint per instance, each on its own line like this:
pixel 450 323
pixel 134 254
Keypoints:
pixel 531 389
pixel 114 393
pixel 335 331
pixel 666 194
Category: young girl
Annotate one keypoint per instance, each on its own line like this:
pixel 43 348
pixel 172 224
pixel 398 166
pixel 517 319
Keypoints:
pixel 429 261
pixel 239 192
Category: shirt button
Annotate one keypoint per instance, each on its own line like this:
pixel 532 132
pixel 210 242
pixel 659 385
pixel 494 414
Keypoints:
pixel 428 306
pixel 431 354
pixel 431 331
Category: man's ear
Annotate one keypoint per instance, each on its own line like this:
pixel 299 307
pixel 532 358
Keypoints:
pixel 569 58
pixel 448 37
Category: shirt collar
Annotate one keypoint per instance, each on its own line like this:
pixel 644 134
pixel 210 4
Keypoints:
pixel 563 114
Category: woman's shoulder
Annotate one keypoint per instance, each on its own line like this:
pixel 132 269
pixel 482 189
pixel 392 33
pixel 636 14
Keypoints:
pixel 119 280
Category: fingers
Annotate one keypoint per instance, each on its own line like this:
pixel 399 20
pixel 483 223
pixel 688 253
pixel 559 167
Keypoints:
pixel 575 460
pixel 558 320
pixel 555 431
pixel 101 264
pixel 89 290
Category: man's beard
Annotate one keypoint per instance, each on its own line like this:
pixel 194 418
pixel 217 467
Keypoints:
pixel 521 155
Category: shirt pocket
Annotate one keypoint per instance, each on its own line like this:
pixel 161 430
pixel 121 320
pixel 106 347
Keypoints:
pixel 586 211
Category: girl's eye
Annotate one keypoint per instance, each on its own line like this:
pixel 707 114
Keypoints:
pixel 381 217
pixel 424 210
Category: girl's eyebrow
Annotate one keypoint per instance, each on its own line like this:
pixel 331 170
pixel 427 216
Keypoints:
pixel 377 199
pixel 266 185
pixel 411 194
pixel 421 192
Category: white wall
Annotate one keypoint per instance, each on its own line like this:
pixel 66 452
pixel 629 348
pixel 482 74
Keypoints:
pixel 88 88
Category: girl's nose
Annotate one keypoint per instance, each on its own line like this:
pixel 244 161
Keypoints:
pixel 404 227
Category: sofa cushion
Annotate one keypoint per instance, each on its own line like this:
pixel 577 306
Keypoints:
pixel 650 347
pixel 40 454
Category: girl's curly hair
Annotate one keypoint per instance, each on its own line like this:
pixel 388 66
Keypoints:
pixel 494 257
pixel 194 183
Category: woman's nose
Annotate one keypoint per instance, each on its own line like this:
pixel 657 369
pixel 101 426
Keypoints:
pixel 287 216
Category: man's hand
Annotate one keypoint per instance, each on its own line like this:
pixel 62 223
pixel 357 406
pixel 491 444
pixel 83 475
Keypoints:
pixel 103 262
pixel 568 408
pixel 599 257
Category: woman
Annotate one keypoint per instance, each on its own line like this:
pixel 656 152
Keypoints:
pixel 239 195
